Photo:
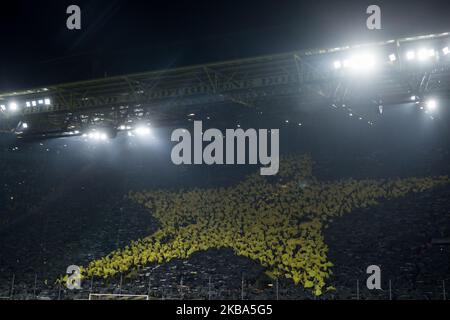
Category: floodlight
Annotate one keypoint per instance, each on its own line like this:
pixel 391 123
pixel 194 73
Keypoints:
pixel 13 106
pixel 33 103
pixel 410 55
pixel 392 57
pixel 97 136
pixel 364 62
pixel 47 101
pixel 142 131
pixel 431 105
pixel 337 64
pixel 3 108
pixel 446 51
pixel 41 101
pixel 28 104
pixel 425 54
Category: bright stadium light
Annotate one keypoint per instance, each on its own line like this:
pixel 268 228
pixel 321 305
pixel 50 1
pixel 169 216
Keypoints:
pixel 410 55
pixel 142 131
pixel 24 125
pixel 362 62
pixel 446 51
pixel 425 54
pixel 3 108
pixel 392 57
pixel 47 101
pixel 337 64
pixel 33 103
pixel 13 106
pixel 41 101
pixel 380 109
pixel 358 62
pixel 28 104
pixel 413 98
pixel 431 105
pixel 97 136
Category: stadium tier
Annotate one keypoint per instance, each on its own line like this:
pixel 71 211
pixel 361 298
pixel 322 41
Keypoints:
pixel 379 74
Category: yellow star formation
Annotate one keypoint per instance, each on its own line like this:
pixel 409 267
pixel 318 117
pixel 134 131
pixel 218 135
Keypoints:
pixel 276 222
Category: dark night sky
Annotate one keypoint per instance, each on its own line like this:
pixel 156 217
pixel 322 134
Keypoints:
pixel 119 37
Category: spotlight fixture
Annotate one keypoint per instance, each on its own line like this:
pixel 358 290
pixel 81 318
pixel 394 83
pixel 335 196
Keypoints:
pixel 142 131
pixel 363 62
pixel 431 105
pixel 413 98
pixel 13 106
pixel 410 55
pixel 21 127
pixel 446 51
pixel 97 135
pixel 337 64
pixel 425 54
pixel 392 57
pixel 3 108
